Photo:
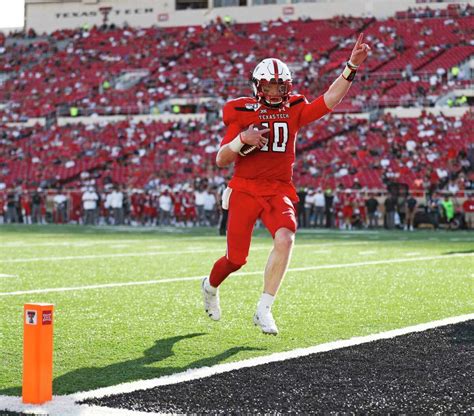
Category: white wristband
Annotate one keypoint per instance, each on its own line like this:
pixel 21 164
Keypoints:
pixel 355 66
pixel 236 144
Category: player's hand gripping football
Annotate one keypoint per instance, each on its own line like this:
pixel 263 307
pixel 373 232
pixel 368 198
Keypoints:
pixel 360 51
pixel 254 137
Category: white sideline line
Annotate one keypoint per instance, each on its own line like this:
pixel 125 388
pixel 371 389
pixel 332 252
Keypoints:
pixel 198 373
pixel 154 253
pixel 7 275
pixel 184 279
pixel 61 405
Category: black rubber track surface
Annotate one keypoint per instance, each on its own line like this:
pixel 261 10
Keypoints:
pixel 421 373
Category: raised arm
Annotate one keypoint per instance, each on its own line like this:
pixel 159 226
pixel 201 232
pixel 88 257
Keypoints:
pixel 341 85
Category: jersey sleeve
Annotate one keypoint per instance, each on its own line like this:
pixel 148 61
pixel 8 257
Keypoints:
pixel 232 131
pixel 313 111
pixel 229 117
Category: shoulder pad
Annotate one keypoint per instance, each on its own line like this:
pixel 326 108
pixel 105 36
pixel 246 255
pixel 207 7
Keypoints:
pixel 232 107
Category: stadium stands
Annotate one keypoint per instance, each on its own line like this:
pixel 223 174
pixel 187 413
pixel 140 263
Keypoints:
pixel 49 75
pixel 133 153
pixel 215 60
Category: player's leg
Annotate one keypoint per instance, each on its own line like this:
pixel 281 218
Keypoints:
pixel 243 212
pixel 278 260
pixel 281 222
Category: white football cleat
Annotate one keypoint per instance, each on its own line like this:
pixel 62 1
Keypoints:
pixel 211 301
pixel 264 319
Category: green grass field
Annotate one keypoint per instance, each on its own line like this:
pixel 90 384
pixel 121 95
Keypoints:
pixel 110 335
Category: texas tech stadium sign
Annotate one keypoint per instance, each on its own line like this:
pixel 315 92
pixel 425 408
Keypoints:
pixel 105 12
pixel 47 16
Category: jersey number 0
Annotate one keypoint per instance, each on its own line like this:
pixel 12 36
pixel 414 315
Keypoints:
pixel 279 137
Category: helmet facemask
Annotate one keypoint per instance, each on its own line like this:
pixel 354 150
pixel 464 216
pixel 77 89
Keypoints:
pixel 274 93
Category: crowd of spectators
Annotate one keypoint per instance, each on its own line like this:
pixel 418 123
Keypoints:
pixel 83 69
pixel 193 204
pixel 427 153
pixel 200 205
pixel 348 209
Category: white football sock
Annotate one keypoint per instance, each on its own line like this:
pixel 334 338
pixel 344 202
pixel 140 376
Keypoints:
pixel 209 288
pixel 265 303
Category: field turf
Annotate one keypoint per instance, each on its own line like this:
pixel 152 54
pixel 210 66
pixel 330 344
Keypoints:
pixel 340 285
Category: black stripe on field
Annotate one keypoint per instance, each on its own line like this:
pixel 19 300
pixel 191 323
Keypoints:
pixel 424 373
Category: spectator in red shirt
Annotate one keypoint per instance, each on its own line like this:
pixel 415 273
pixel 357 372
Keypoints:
pixel 348 211
pixel 468 209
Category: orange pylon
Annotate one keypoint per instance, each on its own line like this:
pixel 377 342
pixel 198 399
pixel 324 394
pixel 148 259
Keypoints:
pixel 37 353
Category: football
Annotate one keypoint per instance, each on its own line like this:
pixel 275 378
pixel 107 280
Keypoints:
pixel 247 148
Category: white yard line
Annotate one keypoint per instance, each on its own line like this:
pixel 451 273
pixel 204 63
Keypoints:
pixel 109 255
pixel 154 253
pixel 366 253
pixel 78 243
pixel 61 405
pixel 184 279
pixel 336 232
pixel 7 275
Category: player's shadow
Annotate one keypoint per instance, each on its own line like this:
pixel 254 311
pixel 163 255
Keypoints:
pixel 458 252
pixel 141 368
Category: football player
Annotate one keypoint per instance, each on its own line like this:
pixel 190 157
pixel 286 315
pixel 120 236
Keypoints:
pixel 262 183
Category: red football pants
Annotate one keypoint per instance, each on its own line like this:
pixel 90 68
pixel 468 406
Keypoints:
pixel 275 211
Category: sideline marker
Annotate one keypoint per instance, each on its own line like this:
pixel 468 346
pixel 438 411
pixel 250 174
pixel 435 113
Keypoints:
pixel 37 353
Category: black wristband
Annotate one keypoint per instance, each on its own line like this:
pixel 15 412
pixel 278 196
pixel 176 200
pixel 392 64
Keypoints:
pixel 349 72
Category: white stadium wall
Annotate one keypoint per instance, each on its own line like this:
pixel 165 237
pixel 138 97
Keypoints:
pixel 50 15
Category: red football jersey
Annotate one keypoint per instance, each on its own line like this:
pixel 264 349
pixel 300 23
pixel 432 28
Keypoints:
pixel 265 171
